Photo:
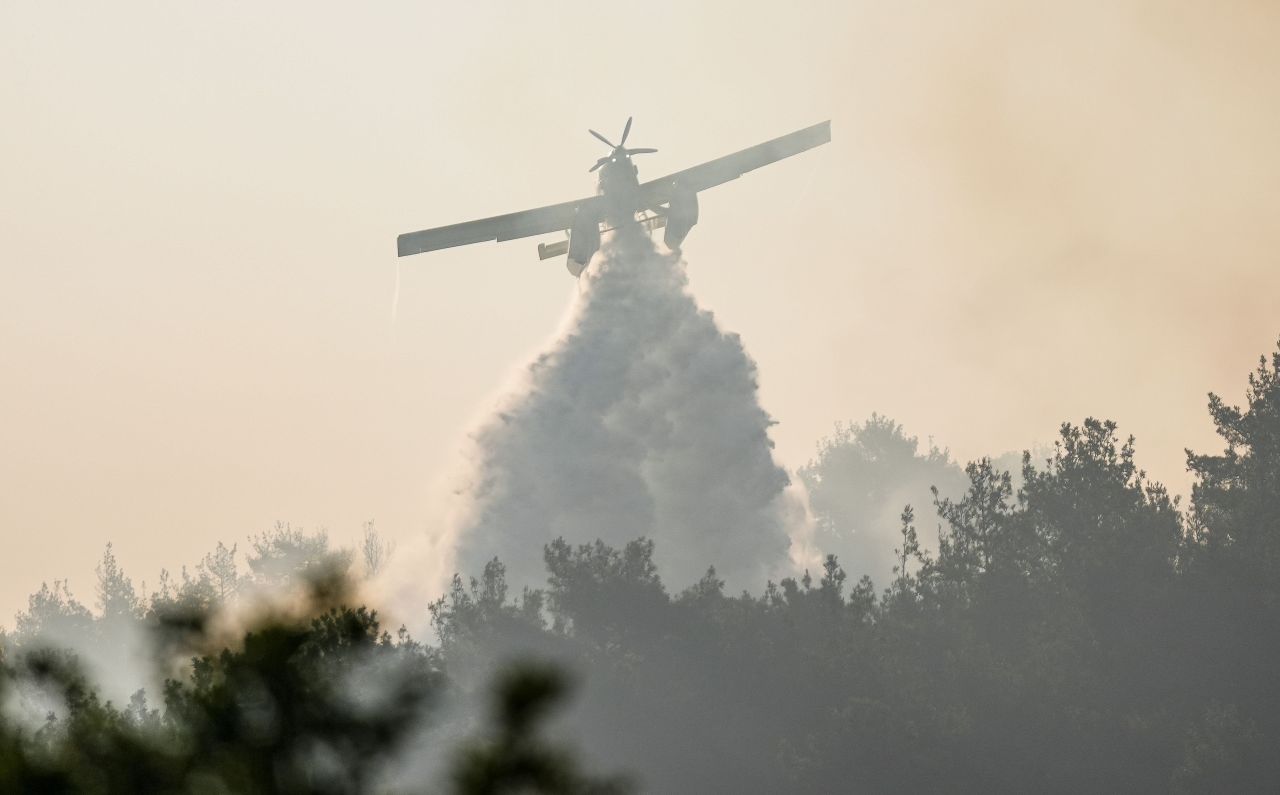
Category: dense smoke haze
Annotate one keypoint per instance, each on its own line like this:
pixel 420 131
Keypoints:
pixel 1069 627
pixel 950 515
pixel 642 419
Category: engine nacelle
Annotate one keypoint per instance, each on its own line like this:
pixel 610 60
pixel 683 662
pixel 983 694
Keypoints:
pixel 584 242
pixel 681 216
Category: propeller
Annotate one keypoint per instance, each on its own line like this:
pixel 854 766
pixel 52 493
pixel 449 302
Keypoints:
pixel 619 150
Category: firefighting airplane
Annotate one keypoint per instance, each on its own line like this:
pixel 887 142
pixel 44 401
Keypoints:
pixel 671 201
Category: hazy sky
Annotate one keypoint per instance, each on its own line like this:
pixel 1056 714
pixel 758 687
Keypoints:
pixel 1027 215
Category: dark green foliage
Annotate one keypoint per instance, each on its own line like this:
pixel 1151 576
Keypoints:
pixel 1236 503
pixel 515 759
pixel 315 700
pixel 302 706
pixel 1075 632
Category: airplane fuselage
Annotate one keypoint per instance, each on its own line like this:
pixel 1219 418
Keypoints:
pixel 619 190
pixel 619 184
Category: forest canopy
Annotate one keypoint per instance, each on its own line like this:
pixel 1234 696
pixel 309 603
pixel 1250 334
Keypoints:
pixel 1072 627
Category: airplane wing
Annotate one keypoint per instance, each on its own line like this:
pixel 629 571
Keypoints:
pixel 730 167
pixel 555 218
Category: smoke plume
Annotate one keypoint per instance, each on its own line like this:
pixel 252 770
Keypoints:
pixel 641 420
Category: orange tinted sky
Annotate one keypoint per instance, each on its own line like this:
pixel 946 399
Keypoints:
pixel 1026 216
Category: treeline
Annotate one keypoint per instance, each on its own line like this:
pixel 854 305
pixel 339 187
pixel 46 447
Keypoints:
pixel 1071 628
pixel 270 681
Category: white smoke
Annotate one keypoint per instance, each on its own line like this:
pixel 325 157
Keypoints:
pixel 641 420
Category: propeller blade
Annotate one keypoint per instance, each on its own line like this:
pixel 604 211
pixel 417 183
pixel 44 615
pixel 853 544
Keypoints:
pixel 606 141
pixel 626 131
pixel 642 151
pixel 599 163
